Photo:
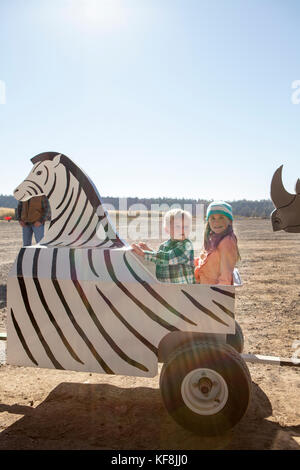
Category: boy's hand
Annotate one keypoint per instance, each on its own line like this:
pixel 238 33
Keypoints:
pixel 137 249
pixel 144 246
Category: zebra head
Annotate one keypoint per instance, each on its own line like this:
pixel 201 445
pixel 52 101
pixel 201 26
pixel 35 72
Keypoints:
pixel 78 217
pixel 286 216
pixel 40 180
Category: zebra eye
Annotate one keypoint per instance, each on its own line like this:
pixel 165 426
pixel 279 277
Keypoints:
pixel 39 172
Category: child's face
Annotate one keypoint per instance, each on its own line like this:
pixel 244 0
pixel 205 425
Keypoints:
pixel 180 228
pixel 218 222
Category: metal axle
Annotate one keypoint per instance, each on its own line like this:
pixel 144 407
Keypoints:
pixel 273 360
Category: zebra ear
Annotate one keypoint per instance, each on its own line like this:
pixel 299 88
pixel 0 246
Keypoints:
pixel 56 160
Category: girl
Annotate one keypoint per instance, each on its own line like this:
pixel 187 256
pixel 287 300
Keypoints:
pixel 220 252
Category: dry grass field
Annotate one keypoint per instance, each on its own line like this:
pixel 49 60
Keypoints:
pixel 49 409
pixel 6 211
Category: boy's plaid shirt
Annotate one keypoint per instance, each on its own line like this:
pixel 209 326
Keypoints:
pixel 174 261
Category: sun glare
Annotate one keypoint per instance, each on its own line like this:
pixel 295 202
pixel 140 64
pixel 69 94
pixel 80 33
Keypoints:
pixel 104 15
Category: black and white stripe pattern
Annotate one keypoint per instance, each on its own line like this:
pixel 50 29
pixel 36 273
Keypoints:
pixel 78 217
pixel 94 310
pixel 79 302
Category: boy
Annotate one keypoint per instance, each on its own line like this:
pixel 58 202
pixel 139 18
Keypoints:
pixel 175 257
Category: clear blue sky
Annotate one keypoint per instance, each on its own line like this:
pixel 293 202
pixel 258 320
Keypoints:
pixel 183 98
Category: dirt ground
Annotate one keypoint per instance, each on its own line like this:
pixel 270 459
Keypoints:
pixel 49 409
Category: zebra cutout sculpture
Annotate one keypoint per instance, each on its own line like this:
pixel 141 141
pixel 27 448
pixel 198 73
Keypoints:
pixel 82 300
pixel 77 215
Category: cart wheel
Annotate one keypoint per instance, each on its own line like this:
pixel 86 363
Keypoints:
pixel 236 340
pixel 206 388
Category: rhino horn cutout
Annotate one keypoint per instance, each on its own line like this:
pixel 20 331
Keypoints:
pixel 297 187
pixel 279 195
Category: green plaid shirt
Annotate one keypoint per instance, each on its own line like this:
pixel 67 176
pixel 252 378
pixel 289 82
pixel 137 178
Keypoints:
pixel 174 261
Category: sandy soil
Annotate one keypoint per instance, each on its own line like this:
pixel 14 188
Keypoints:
pixel 49 409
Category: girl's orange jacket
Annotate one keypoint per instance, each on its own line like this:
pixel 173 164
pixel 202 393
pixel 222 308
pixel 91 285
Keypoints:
pixel 217 266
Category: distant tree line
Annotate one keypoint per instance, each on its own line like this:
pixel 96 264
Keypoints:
pixel 8 201
pixel 243 207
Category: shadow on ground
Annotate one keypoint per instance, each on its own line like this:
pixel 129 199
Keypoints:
pixel 103 416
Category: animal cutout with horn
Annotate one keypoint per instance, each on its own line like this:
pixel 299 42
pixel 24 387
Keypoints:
pixel 286 216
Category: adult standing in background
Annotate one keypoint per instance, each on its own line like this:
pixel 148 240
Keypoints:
pixel 32 215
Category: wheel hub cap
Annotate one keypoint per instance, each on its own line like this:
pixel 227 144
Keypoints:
pixel 204 391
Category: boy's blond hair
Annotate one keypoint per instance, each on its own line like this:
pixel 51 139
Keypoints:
pixel 172 213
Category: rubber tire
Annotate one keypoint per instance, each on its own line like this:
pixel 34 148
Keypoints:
pixel 227 362
pixel 236 340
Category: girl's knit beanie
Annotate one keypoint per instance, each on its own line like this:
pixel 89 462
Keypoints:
pixel 219 207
